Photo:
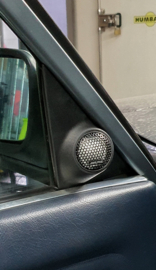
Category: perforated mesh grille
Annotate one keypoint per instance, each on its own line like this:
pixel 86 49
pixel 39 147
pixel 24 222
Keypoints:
pixel 94 151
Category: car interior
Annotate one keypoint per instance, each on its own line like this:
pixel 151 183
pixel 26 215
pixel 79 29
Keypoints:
pixel 77 183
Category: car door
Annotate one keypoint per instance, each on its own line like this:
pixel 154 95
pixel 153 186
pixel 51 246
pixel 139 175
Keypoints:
pixel 99 210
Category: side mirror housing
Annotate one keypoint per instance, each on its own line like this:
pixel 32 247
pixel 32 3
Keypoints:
pixel 22 139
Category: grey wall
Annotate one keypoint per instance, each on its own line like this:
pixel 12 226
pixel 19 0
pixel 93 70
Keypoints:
pixel 57 10
pixel 10 40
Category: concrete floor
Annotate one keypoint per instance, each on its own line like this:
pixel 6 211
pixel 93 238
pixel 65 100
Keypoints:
pixel 141 114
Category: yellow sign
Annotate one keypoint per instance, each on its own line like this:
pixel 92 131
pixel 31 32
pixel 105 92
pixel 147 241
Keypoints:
pixel 149 19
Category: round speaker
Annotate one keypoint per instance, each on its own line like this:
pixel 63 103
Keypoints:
pixel 94 150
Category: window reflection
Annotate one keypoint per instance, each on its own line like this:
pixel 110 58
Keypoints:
pixel 14 99
pixel 12 183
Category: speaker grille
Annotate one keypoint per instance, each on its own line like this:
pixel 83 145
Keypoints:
pixel 94 151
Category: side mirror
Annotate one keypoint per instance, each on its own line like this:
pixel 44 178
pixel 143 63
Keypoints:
pixel 22 141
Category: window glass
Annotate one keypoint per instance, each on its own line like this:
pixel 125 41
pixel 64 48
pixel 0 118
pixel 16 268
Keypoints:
pixel 14 108
pixel 8 38
pixel 15 184
pixel 57 11
pixel 122 58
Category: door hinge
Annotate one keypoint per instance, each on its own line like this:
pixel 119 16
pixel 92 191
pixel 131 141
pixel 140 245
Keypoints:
pixel 109 20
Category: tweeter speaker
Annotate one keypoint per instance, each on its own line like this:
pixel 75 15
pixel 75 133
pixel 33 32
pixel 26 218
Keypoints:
pixel 94 151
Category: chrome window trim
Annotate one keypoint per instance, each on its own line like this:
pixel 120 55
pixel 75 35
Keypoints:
pixel 61 193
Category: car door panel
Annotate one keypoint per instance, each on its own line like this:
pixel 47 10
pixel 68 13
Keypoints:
pixel 87 91
pixel 107 225
pixel 102 228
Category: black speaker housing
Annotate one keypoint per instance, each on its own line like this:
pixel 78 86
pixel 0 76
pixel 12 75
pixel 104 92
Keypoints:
pixel 69 164
pixel 67 123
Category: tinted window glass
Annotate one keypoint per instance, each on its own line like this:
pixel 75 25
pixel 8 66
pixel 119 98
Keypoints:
pixel 15 184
